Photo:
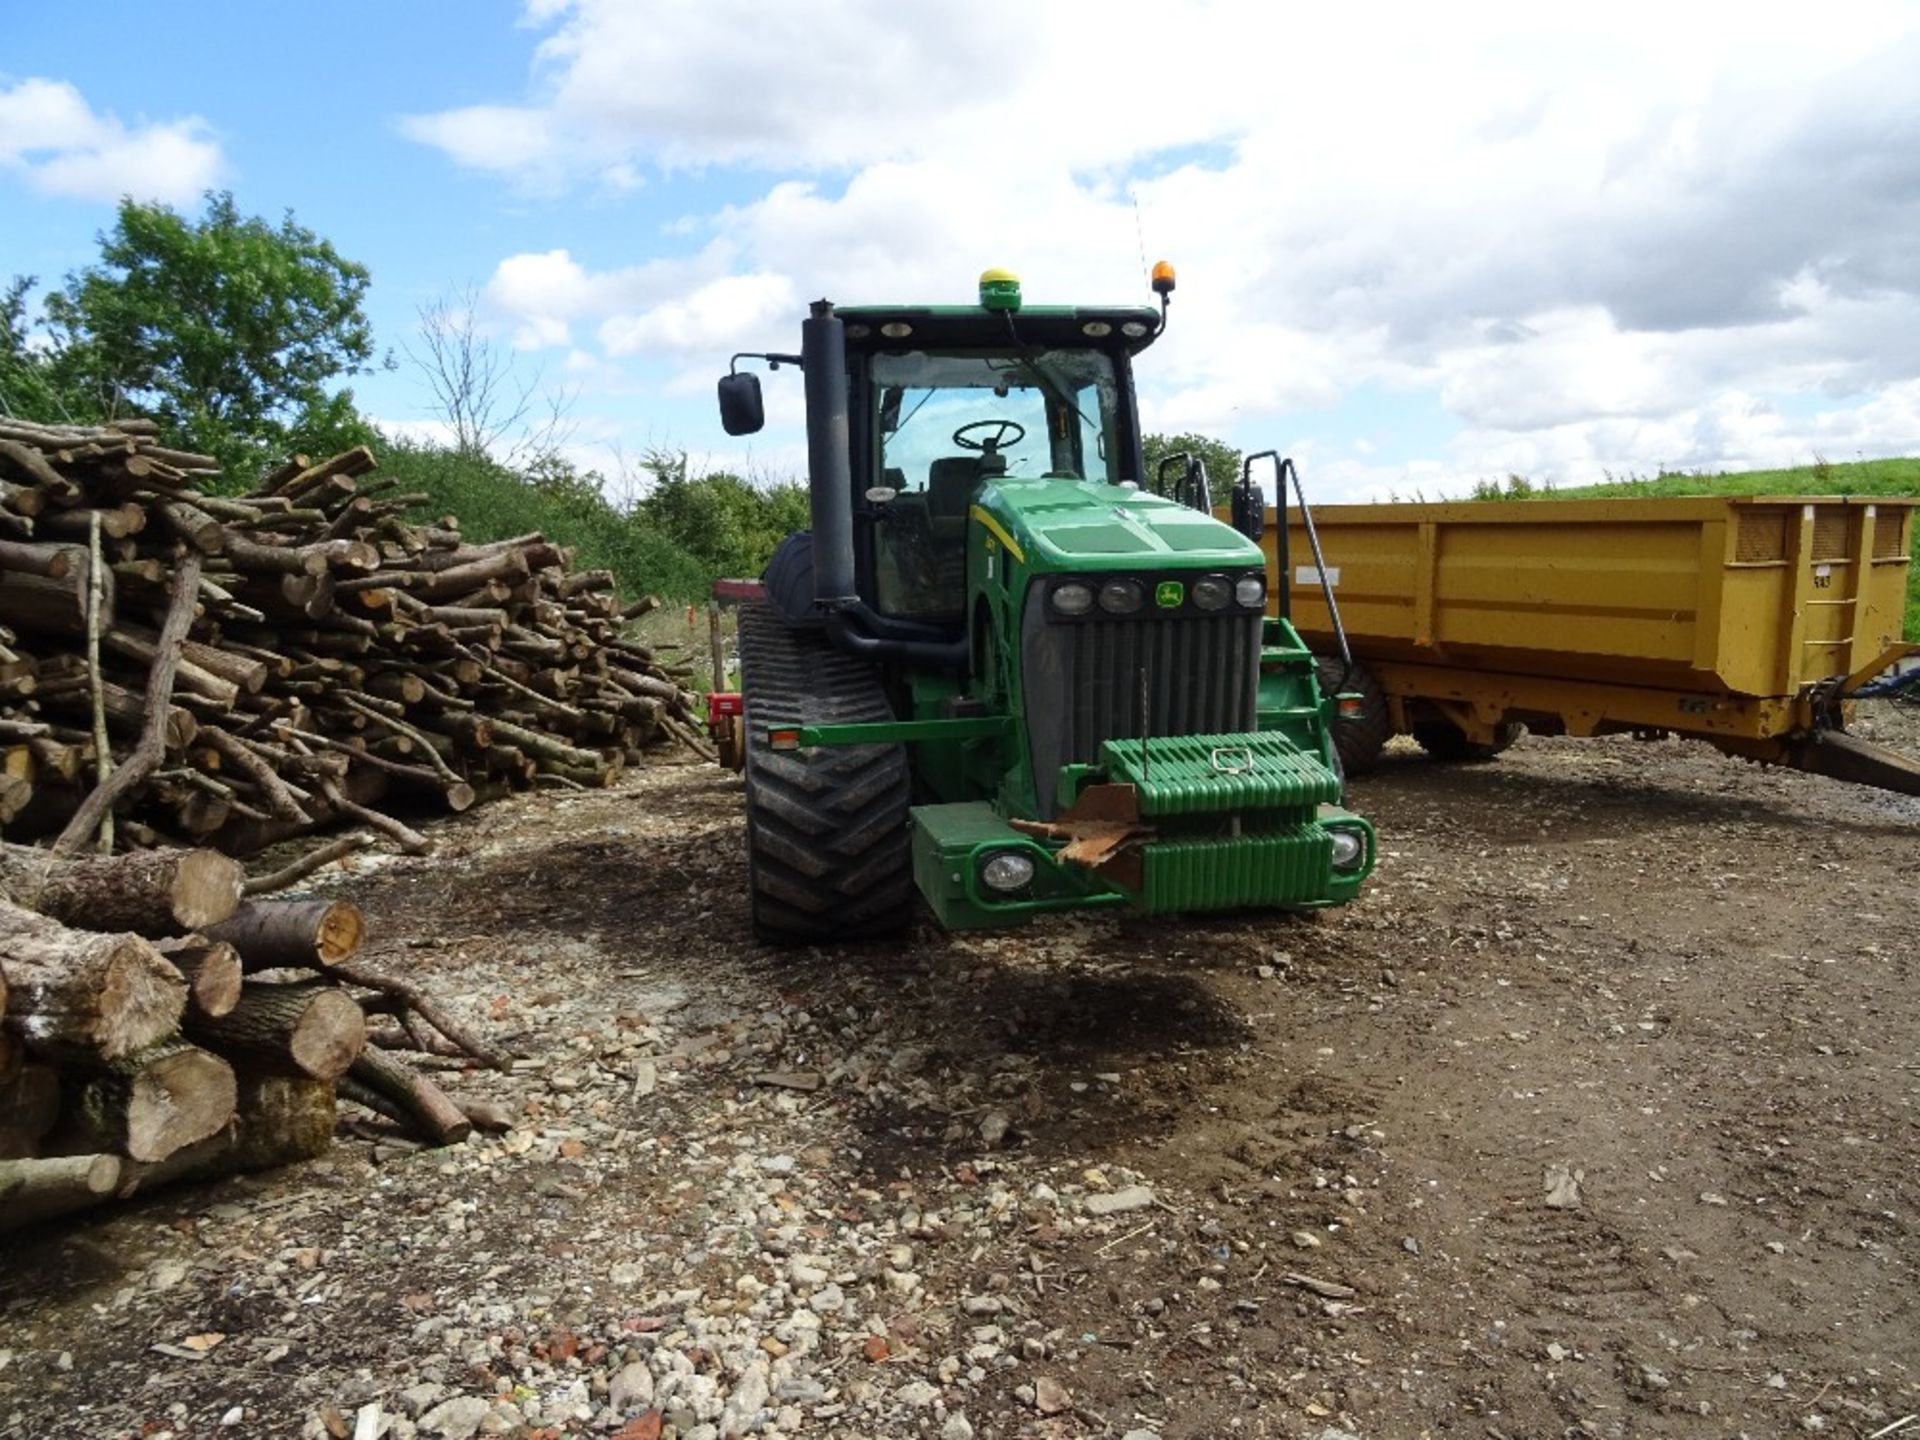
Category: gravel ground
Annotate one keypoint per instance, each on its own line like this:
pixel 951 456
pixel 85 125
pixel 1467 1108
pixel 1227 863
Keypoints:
pixel 1595 1118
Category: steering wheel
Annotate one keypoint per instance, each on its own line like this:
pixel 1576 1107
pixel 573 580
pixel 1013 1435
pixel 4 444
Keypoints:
pixel 1005 432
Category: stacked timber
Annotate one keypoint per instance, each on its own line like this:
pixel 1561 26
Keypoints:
pixel 158 1026
pixel 233 670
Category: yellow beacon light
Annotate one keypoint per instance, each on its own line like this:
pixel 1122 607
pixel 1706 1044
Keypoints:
pixel 999 290
pixel 1163 277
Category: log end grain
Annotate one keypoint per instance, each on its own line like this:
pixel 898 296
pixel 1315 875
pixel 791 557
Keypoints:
pixel 207 890
pixel 213 972
pixel 341 932
pixel 177 1101
pixel 330 1035
pixel 141 997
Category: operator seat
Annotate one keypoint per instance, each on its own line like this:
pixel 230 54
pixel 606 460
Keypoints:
pixel 951 481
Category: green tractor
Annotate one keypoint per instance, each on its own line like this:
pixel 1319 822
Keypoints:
pixel 1001 672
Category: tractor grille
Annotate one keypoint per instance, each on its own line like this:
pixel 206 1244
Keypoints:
pixel 1196 677
pixel 1084 683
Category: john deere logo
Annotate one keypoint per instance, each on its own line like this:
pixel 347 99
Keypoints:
pixel 1169 594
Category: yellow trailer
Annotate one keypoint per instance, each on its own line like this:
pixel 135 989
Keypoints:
pixel 1746 621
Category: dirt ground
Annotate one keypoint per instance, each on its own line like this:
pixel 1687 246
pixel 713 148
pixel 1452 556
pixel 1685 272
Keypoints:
pixel 1596 1117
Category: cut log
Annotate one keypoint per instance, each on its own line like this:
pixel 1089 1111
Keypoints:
pixel 149 892
pixel 426 1106
pixel 79 992
pixel 49 604
pixel 130 642
pixel 292 934
pixel 310 1028
pixel 48 560
pixel 151 1104
pixel 278 1120
pixel 33 1190
pixel 280 797
pixel 15 795
pixel 212 970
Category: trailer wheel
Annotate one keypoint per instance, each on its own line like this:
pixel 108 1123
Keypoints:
pixel 1447 742
pixel 829 854
pixel 1358 738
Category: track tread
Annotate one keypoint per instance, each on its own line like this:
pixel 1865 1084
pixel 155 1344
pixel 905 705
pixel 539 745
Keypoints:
pixel 830 856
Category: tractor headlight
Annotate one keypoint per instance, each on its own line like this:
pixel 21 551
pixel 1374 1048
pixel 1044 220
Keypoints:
pixel 1211 593
pixel 1251 591
pixel 1008 871
pixel 1122 597
pixel 1073 598
pixel 1349 848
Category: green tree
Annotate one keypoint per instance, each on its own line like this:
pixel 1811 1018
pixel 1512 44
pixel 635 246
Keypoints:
pixel 726 522
pixel 32 386
pixel 1221 459
pixel 232 332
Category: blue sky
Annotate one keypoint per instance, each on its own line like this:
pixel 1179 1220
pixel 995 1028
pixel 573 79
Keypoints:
pixel 1602 243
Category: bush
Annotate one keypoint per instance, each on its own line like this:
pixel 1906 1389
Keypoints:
pixel 675 542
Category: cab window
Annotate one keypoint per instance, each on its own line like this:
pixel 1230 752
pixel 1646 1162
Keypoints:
pixel 945 424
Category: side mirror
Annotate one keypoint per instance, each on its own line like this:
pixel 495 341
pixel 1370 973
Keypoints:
pixel 741 410
pixel 1250 510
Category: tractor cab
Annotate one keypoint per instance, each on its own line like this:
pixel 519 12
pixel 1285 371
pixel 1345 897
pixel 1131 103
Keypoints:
pixel 941 423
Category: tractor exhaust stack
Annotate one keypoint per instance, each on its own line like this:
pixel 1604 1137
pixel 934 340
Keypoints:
pixel 823 352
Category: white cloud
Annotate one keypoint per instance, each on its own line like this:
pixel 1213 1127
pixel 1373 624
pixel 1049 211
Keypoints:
pixel 53 139
pixel 729 311
pixel 1611 239
pixel 502 138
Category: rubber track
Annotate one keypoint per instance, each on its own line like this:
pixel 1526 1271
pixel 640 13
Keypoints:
pixel 829 850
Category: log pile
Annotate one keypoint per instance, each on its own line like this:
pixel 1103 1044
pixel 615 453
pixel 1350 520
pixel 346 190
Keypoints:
pixel 229 671
pixel 157 1026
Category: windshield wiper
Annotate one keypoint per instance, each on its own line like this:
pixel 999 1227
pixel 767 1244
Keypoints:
pixel 1030 356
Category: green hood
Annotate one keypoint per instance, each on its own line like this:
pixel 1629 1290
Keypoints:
pixel 1090 525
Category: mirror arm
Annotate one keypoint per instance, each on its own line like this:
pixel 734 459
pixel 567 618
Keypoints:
pixel 774 362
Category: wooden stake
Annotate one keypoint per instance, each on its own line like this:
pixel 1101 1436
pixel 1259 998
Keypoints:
pixel 96 622
pixel 147 754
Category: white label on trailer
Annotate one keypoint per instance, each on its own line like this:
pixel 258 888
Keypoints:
pixel 1821 572
pixel 1308 575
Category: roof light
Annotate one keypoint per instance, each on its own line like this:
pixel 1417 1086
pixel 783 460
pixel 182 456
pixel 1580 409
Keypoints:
pixel 896 329
pixel 999 290
pixel 1163 277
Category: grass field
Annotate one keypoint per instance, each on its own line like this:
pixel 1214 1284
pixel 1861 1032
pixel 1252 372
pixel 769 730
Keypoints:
pixel 1856 477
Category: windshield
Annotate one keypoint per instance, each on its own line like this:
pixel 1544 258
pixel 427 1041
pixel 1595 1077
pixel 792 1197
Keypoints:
pixel 1052 414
